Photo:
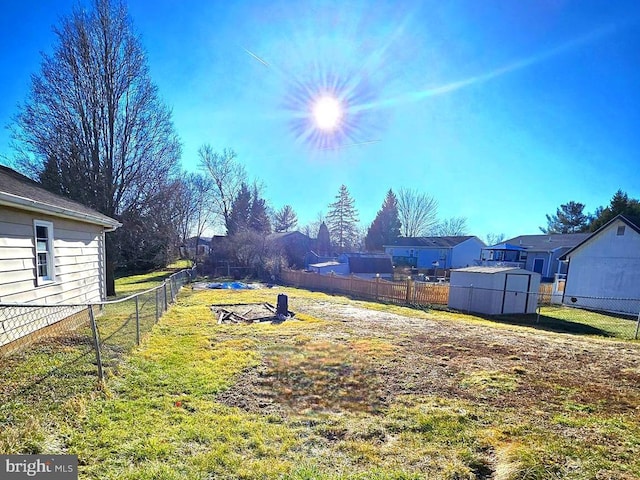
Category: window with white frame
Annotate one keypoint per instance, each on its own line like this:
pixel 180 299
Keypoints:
pixel 44 251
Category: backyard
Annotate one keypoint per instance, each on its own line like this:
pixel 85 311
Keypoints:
pixel 345 390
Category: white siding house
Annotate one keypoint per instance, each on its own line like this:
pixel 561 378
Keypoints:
pixel 604 270
pixel 52 252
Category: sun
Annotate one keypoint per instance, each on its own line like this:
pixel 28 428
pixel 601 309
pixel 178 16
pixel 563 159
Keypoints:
pixel 327 113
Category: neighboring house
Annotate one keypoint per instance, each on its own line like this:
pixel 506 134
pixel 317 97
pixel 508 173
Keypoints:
pixel 52 251
pixel 293 245
pixel 424 252
pixel 362 265
pixel 189 249
pixel 604 269
pixel 536 253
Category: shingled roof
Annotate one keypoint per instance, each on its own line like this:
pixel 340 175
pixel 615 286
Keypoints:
pixel 434 242
pixel 545 243
pixel 21 192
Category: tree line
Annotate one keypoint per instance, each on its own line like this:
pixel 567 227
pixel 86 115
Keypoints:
pixel 570 217
pixel 94 129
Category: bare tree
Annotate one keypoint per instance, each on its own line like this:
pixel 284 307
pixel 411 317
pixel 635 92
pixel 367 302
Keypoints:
pixel 311 229
pixel 494 238
pixel 451 227
pixel 93 127
pixel 418 212
pixel 227 175
pixel 194 208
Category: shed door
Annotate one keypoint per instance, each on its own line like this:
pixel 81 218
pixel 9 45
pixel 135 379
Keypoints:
pixel 515 295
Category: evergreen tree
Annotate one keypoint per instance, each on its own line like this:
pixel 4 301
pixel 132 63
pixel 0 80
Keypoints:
pixel 342 220
pixel 386 226
pixel 324 240
pixel 240 212
pixel 258 217
pixel 285 219
pixel 620 204
pixel 569 218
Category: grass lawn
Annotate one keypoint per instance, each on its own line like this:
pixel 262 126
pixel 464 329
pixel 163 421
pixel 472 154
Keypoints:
pixel 347 390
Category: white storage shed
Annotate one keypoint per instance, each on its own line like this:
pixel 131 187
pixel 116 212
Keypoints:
pixel 494 290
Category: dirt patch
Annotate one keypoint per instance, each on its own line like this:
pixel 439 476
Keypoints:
pixel 498 367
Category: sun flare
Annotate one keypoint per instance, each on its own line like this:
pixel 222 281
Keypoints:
pixel 327 113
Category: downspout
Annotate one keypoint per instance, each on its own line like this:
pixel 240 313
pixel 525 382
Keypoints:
pixel 103 280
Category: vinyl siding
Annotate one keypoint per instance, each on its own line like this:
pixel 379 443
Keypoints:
pixel 607 266
pixel 78 266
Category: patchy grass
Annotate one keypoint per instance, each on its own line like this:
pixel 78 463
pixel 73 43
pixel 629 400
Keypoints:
pixel 349 390
pixel 40 385
pixel 129 284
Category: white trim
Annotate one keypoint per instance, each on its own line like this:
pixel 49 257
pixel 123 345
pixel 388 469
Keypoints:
pixel 51 273
pixel 16 201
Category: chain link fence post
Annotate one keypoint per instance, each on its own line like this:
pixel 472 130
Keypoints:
pixel 157 305
pixel 164 290
pixel 635 336
pixel 137 321
pixel 96 342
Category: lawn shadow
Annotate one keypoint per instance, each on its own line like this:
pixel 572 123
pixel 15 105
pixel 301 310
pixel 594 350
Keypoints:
pixel 549 324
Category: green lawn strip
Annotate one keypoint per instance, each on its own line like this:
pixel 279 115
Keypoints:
pixel 38 383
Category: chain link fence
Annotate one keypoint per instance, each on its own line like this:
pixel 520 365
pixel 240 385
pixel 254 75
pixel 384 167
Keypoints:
pixel 549 309
pixel 54 351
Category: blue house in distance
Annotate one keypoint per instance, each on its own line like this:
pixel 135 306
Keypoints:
pixel 536 253
pixel 443 252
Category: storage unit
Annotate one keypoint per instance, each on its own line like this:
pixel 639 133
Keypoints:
pixel 494 290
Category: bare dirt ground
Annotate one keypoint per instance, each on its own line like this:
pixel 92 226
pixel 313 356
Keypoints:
pixel 377 357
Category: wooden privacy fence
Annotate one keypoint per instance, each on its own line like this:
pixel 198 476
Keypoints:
pixel 409 291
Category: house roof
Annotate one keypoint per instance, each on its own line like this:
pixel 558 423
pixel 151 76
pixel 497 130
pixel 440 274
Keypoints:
pixel 369 262
pixel 632 222
pixel 430 242
pixel 492 270
pixel 18 191
pixel 546 243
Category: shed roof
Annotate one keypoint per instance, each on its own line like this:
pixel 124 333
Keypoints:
pixel 21 192
pixel 434 242
pixel 325 264
pixel 492 270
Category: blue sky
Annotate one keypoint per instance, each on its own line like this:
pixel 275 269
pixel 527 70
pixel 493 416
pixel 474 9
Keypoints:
pixel 501 110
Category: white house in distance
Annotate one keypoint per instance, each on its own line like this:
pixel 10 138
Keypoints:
pixel 424 252
pixel 604 270
pixel 52 251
